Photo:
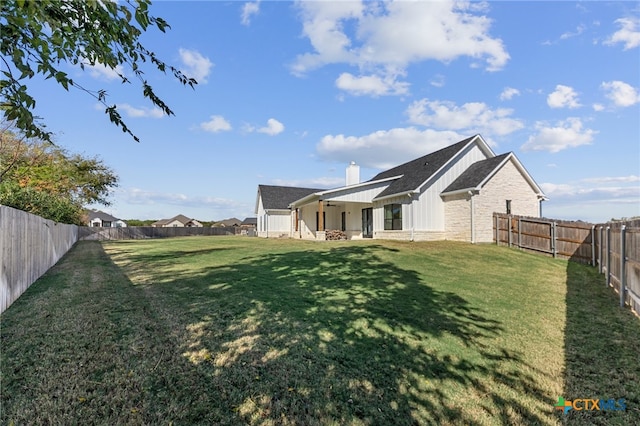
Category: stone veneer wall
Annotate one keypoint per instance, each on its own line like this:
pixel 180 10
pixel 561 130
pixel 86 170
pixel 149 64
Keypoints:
pixel 507 184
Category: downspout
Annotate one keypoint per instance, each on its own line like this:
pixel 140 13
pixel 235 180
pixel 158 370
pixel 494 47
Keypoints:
pixel 473 225
pixel 413 214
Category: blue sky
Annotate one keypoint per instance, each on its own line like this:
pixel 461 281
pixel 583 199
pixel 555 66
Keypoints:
pixel 290 92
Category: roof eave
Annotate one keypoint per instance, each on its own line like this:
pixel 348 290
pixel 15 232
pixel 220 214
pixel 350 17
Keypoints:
pixel 483 147
pixel 474 190
pixel 408 193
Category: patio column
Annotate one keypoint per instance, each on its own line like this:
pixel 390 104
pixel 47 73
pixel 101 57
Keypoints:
pixel 320 216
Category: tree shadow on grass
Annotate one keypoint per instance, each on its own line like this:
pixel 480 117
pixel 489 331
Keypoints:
pixel 602 349
pixel 338 336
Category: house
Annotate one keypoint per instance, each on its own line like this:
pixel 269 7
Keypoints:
pixel 97 218
pixel 450 194
pixel 272 206
pixel 228 222
pixel 179 221
pixel 249 222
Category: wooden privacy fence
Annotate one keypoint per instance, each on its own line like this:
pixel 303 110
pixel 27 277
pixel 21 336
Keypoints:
pixel 613 247
pixel 144 232
pixel 29 246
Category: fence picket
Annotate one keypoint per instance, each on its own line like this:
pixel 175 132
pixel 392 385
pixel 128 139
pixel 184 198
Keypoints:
pixel 618 258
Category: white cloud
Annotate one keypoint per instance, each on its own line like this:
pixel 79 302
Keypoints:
pixel 565 134
pixel 628 34
pixel 249 9
pixel 592 199
pixel 216 124
pixel 609 179
pixel 595 200
pixel 563 97
pixel 472 117
pixel 103 72
pixel 621 93
pixel 437 81
pixel 578 191
pixel 321 182
pixel 371 85
pixel 385 148
pixel 579 30
pixel 272 128
pixel 141 112
pixel 384 38
pixel 140 196
pixel 598 107
pixel 508 93
pixel 195 65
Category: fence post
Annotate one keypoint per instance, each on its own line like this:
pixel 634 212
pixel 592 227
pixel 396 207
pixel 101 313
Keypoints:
pixel 608 256
pixel 553 239
pixel 601 254
pixel 509 229
pixel 593 245
pixel 623 260
pixel 495 216
pixel 519 234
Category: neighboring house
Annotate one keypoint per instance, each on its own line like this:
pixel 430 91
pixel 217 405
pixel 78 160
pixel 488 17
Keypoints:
pixel 99 218
pixel 249 222
pixel 179 221
pixel 450 194
pixel 228 222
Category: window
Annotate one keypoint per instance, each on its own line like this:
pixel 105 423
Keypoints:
pixel 508 206
pixel 393 217
pixel 343 221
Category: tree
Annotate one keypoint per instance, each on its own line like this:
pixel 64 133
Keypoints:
pixel 44 179
pixel 37 36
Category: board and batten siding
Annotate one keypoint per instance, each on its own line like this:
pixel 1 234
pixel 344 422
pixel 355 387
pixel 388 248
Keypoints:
pixel 29 246
pixel 507 184
pixel 359 194
pixel 274 223
pixel 430 207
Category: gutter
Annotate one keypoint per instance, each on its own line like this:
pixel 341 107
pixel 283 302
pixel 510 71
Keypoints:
pixel 397 194
pixel 310 197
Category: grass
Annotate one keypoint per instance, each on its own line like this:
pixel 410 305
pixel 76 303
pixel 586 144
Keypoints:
pixel 228 330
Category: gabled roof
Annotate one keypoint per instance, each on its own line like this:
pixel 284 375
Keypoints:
pixel 229 222
pixel 279 197
pixel 480 172
pixel 180 218
pixel 98 214
pixel 414 173
pixel 250 221
pixel 476 174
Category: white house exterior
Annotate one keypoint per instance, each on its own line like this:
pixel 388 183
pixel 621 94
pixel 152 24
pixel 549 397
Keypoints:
pixel 274 217
pixel 448 194
pixel 97 218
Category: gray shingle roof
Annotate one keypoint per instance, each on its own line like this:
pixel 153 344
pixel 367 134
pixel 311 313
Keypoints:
pixel 93 214
pixel 180 218
pixel 475 174
pixel 279 197
pixel 249 221
pixel 416 172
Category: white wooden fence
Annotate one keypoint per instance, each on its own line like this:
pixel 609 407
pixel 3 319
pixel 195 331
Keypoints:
pixel 29 246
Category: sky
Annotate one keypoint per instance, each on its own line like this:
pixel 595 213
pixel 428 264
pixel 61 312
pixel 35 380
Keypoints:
pixel 289 93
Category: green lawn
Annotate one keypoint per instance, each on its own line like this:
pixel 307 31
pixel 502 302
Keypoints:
pixel 233 330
